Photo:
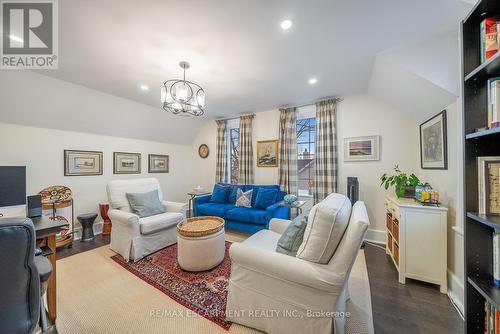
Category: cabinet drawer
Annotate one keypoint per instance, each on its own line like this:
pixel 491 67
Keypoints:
pixel 395 230
pixel 394 210
pixel 388 221
pixel 395 253
pixel 389 242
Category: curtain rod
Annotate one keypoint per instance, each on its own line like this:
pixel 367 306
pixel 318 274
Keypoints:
pixel 231 118
pixel 339 99
pixel 285 106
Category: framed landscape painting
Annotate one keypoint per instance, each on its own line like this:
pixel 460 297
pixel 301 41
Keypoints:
pixel 82 163
pixel 126 163
pixel 433 143
pixel 361 148
pixel 158 163
pixel 267 153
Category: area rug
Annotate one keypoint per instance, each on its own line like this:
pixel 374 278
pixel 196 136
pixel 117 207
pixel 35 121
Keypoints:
pixel 203 292
pixel 96 295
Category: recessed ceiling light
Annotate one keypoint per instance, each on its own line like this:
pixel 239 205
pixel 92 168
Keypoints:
pixel 286 24
pixel 16 39
pixel 144 87
pixel 312 81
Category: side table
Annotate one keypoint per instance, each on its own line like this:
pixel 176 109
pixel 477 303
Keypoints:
pixel 295 205
pixel 192 195
pixel 103 210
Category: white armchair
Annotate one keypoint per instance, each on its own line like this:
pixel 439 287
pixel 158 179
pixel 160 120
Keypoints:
pixel 277 293
pixel 133 237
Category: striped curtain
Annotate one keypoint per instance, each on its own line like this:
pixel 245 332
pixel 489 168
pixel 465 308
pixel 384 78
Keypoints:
pixel 220 168
pixel 288 150
pixel 246 150
pixel 326 149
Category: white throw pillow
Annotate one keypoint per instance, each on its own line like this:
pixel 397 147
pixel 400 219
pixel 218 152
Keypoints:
pixel 244 199
pixel 326 225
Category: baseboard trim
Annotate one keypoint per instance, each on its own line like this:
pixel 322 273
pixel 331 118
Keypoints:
pixel 455 292
pixel 376 236
pixel 97 230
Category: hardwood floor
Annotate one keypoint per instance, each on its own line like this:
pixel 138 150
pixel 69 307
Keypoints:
pixel 413 308
pixel 80 247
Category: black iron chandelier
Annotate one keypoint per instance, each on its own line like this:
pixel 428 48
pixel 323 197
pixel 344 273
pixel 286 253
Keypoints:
pixel 181 97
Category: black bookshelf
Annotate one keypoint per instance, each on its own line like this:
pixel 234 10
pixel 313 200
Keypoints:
pixel 478 228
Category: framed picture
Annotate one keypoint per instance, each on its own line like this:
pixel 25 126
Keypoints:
pixel 82 163
pixel 488 171
pixel 126 163
pixel 364 148
pixel 433 143
pixel 158 163
pixel 267 153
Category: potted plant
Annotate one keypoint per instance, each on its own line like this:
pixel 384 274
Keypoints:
pixel 404 185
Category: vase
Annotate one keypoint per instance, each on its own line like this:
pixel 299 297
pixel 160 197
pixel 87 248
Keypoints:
pixel 409 192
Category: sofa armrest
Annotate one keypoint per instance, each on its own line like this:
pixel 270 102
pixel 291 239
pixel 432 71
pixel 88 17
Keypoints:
pixel 278 225
pixel 123 216
pixel 175 207
pixel 277 211
pixel 286 268
pixel 201 199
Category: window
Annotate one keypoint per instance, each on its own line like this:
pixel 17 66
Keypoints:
pixel 234 155
pixel 232 150
pixel 306 148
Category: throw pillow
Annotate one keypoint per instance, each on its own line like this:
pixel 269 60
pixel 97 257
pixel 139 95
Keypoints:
pixel 291 239
pixel 220 193
pixel 244 199
pixel 326 225
pixel 233 193
pixel 265 197
pixel 145 204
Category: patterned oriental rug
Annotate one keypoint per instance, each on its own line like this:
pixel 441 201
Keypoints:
pixel 202 292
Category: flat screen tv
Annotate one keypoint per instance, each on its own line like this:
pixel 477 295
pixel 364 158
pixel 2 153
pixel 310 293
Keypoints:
pixel 12 185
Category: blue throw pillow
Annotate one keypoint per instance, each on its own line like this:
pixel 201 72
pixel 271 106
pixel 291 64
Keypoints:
pixel 265 197
pixel 292 237
pixel 220 193
pixel 233 193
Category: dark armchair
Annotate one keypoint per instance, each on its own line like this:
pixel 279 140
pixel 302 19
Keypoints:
pixel 20 277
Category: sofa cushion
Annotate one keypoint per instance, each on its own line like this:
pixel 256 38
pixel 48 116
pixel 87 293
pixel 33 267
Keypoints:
pixel 326 225
pixel 145 204
pixel 292 237
pixel 247 215
pixel 265 197
pixel 213 209
pixel 244 199
pixel 233 193
pixel 117 190
pixel 152 224
pixel 264 239
pixel 220 193
pixel 256 189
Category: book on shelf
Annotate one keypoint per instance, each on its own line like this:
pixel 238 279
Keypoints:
pixel 489 37
pixel 496 258
pixel 491 319
pixel 493 86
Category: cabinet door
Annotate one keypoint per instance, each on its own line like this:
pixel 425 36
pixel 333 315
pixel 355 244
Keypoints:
pixel 425 244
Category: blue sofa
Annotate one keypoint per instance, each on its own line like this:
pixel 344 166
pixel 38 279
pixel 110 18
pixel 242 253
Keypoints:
pixel 248 220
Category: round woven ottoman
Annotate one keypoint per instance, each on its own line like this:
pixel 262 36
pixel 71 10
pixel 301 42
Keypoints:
pixel 200 243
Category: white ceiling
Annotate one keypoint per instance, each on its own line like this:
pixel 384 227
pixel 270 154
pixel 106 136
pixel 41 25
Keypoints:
pixel 236 48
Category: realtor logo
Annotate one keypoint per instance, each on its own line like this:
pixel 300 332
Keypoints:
pixel 29 34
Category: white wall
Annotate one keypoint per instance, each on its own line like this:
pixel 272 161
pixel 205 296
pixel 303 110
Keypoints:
pixel 449 184
pixel 41 150
pixel 363 115
pixel 358 115
pixel 32 99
